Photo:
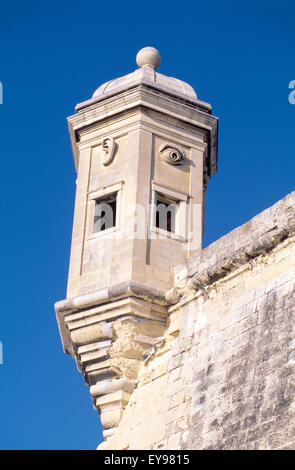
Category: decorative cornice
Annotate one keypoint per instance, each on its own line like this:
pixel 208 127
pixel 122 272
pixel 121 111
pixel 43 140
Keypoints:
pixel 109 294
pixel 102 296
pixel 147 84
pixel 147 98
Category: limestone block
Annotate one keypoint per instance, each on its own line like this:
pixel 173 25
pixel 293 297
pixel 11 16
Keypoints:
pixel 113 400
pixel 91 333
pixel 111 419
pixel 109 387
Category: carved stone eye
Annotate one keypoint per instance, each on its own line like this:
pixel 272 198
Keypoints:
pixel 172 154
pixel 175 156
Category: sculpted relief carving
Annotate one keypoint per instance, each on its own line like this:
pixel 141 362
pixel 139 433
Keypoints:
pixel 108 150
pixel 172 154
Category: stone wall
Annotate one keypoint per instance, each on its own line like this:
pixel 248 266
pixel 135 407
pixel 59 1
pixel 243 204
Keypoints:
pixel 223 378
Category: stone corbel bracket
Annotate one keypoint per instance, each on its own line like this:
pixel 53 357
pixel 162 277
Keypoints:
pixel 110 333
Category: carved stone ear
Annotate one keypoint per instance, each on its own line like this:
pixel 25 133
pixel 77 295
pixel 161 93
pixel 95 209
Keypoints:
pixel 108 150
pixel 172 154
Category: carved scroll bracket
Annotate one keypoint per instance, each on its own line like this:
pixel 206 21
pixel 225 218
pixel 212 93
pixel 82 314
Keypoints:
pixel 109 343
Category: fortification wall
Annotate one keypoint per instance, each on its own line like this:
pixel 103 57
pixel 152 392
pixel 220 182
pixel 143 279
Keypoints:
pixel 223 376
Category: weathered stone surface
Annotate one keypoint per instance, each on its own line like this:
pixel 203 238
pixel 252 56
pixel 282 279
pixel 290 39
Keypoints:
pixel 195 357
pixel 111 386
pixel 91 333
pixel 230 376
pixel 257 237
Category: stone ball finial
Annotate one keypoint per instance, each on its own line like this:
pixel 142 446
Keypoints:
pixel 148 56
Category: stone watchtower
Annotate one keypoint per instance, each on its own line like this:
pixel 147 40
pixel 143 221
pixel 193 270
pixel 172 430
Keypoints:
pixel 144 148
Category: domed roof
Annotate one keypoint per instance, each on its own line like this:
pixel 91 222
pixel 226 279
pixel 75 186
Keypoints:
pixel 148 59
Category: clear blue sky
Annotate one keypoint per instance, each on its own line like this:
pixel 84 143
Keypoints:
pixel 238 55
